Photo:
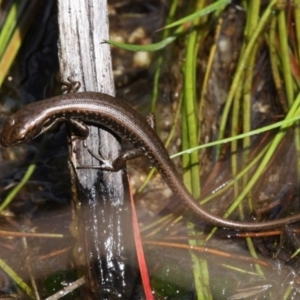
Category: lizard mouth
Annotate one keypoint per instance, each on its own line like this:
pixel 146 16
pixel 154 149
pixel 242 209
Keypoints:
pixel 9 141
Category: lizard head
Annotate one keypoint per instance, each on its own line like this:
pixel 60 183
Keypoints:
pixel 21 127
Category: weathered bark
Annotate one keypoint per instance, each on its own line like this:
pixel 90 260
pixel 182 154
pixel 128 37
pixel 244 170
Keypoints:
pixel 102 214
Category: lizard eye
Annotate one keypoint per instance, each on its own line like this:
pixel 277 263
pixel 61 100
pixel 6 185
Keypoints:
pixel 19 132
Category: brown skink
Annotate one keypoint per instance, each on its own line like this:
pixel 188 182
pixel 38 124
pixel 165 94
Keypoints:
pixel 83 108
